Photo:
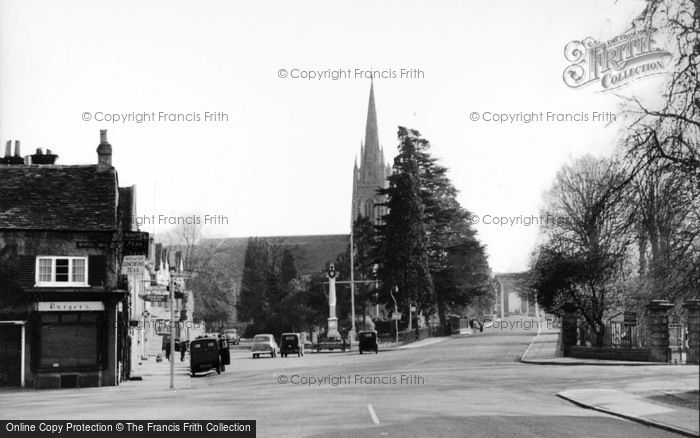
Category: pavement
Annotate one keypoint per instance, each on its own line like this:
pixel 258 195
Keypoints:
pixel 155 374
pixel 665 405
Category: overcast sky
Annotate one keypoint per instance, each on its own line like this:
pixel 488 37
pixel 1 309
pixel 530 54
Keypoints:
pixel 282 163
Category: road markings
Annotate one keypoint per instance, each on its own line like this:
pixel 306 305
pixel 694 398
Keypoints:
pixel 372 414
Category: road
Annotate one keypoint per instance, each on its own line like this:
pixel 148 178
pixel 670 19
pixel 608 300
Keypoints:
pixel 466 386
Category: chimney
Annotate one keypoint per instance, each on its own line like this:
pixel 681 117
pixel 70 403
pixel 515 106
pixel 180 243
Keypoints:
pixel 44 158
pixel 9 158
pixel 104 152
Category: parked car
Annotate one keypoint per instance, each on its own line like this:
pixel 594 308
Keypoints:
pixel 213 335
pixel 264 344
pixel 291 343
pixel 233 336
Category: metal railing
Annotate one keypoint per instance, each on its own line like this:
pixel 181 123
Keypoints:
pixel 617 335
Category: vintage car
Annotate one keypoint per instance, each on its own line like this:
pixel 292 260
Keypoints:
pixel 264 344
pixel 368 342
pixel 232 336
pixel 204 355
pixel 291 343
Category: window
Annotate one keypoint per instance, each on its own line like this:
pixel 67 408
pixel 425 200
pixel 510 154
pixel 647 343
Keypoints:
pixel 70 340
pixel 61 271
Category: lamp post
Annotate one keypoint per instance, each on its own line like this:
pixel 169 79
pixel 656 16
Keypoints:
pixel 375 274
pixel 396 310
pixel 171 355
pixel 352 286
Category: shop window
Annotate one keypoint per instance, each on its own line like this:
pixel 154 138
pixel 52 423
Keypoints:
pixel 70 340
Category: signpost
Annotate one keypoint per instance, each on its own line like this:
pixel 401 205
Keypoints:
pixel 135 243
pixel 133 265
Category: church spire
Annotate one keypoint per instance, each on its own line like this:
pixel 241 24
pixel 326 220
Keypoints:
pixel 370 156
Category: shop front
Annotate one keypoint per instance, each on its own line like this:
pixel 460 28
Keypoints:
pixel 74 344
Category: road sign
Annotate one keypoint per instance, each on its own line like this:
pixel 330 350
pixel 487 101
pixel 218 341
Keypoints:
pixel 630 319
pixel 155 297
pixel 145 314
pixel 133 265
pixel 396 316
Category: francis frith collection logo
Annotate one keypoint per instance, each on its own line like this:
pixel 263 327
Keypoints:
pixel 616 62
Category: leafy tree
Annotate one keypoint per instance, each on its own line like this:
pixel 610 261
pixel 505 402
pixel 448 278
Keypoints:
pixel 274 297
pixel 403 242
pixel 457 267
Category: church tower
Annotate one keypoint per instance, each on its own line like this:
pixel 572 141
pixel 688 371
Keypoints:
pixel 372 172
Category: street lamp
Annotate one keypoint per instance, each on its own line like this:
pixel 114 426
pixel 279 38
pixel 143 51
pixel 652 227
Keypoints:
pixel 375 274
pixel 396 310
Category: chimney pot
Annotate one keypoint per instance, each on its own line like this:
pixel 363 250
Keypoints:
pixel 103 136
pixel 17 154
pixel 39 151
pixel 8 148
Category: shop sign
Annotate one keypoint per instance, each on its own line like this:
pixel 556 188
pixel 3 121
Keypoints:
pixel 69 306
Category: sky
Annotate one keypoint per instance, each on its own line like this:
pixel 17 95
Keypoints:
pixel 280 161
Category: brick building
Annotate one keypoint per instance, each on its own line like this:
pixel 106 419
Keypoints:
pixel 63 303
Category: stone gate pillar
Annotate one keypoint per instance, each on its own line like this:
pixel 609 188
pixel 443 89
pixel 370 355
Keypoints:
pixel 657 312
pixel 568 326
pixel 693 309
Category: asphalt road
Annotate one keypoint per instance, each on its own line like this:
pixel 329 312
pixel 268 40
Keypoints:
pixel 467 386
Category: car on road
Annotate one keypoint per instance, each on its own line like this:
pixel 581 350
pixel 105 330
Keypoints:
pixel 291 343
pixel 264 344
pixel 204 356
pixel 368 342
pixel 213 335
pixel 233 336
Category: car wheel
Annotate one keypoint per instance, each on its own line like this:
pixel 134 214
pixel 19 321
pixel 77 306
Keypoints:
pixel 218 370
pixel 360 351
pixel 191 373
pixel 255 356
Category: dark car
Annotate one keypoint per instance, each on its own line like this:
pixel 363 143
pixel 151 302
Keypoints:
pixel 291 343
pixel 368 342
pixel 204 356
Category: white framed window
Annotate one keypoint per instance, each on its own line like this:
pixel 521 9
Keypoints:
pixel 59 271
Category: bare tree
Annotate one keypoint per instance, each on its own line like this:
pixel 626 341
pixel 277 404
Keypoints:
pixel 586 240
pixel 670 131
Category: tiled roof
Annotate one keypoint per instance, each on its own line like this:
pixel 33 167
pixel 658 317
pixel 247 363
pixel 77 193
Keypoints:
pixel 58 198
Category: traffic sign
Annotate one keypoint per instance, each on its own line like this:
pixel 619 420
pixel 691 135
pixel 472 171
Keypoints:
pixel 145 314
pixel 396 316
